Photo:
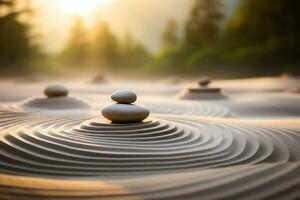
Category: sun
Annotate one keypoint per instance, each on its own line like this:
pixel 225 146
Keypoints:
pixel 81 7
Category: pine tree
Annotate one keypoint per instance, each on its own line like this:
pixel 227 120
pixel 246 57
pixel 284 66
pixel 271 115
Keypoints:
pixel 106 46
pixel 76 53
pixel 133 53
pixel 203 26
pixel 170 35
pixel 268 31
pixel 16 48
pixel 272 18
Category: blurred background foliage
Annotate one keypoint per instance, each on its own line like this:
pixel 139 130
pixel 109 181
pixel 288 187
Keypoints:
pixel 260 39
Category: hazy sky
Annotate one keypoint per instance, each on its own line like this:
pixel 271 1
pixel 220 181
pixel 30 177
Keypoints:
pixel 145 19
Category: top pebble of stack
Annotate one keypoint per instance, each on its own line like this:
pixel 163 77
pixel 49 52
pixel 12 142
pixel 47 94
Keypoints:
pixel 124 96
pixel 204 81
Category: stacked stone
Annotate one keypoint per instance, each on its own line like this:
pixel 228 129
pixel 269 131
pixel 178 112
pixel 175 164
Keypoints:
pixel 204 82
pixel 124 111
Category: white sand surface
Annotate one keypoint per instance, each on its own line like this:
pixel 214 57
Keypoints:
pixel 246 146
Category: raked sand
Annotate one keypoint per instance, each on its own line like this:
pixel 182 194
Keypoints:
pixel 246 146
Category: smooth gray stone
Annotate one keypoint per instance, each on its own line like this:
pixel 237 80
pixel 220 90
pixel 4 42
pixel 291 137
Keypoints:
pixel 204 81
pixel 124 96
pixel 125 113
pixel 56 91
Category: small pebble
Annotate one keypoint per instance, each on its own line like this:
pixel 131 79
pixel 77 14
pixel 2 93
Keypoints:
pixel 204 81
pixel 124 96
pixel 56 91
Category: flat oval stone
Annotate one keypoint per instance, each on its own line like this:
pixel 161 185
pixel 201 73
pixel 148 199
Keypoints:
pixel 56 91
pixel 124 96
pixel 125 113
pixel 204 81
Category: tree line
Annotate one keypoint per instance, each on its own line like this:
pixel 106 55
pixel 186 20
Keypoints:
pixel 260 38
pixel 87 49
pixel 98 48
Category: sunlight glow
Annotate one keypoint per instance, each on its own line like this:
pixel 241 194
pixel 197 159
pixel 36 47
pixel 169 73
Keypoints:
pixel 81 7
